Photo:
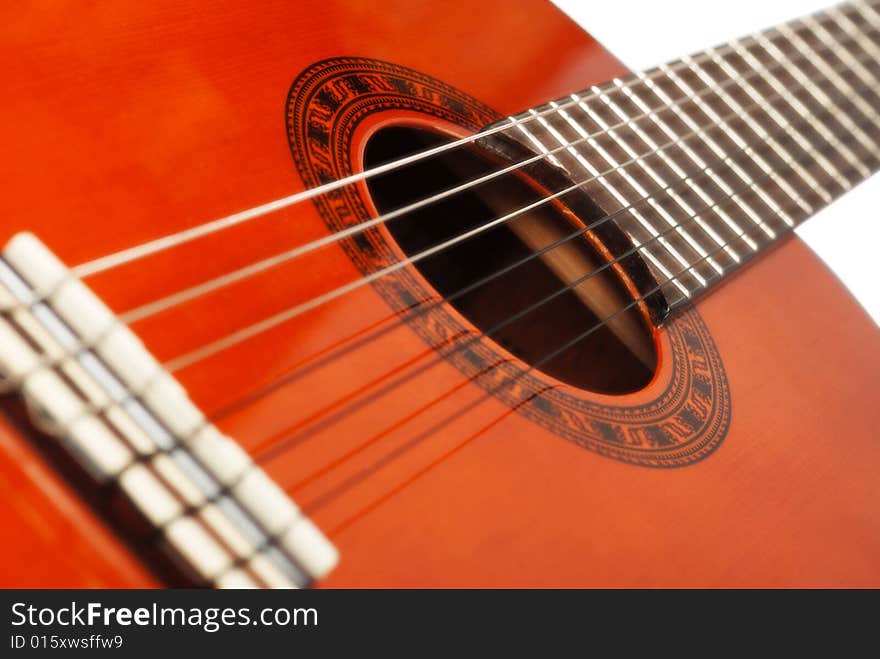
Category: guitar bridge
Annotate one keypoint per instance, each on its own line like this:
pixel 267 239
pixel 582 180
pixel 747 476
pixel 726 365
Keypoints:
pixel 91 385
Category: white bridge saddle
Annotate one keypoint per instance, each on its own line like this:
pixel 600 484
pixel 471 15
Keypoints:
pixel 89 382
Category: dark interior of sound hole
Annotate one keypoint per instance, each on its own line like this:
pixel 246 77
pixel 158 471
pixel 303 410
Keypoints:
pixel 600 362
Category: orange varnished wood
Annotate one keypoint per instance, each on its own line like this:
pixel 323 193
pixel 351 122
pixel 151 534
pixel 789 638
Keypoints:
pixel 127 121
pixel 53 539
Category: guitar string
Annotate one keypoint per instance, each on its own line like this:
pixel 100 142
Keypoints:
pixel 363 473
pixel 690 267
pixel 316 504
pixel 281 443
pixel 157 306
pixel 236 337
pixel 416 310
pixel 313 505
pixel 141 250
pixel 207 350
pixel 400 486
pixel 358 476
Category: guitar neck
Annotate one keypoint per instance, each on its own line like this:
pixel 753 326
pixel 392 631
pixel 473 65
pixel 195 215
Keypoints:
pixel 707 160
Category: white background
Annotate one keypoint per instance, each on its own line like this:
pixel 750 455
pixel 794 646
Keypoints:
pixel 644 33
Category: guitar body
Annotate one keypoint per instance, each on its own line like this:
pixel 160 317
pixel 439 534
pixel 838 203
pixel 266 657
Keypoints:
pixel 749 459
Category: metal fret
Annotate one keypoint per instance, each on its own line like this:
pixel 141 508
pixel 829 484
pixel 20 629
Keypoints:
pixel 700 190
pixel 782 122
pixel 743 144
pixel 621 198
pixel 646 167
pixel 697 189
pixel 861 6
pixel 643 193
pixel 819 95
pixel 862 41
pixel 823 52
pixel 818 37
pixel 777 125
pixel 857 68
pixel 718 151
pixel 837 80
pixel 536 142
pixel 786 156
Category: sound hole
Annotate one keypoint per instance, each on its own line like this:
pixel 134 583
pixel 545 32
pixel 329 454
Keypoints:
pixel 617 358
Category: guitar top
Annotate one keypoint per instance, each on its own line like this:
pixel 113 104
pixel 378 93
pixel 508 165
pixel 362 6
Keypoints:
pixel 328 295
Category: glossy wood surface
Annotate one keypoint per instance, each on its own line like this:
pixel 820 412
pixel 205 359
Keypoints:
pixel 127 121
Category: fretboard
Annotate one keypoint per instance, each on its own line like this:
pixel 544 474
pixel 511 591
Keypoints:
pixel 706 161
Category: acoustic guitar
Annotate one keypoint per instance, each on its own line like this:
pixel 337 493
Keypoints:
pixel 342 293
